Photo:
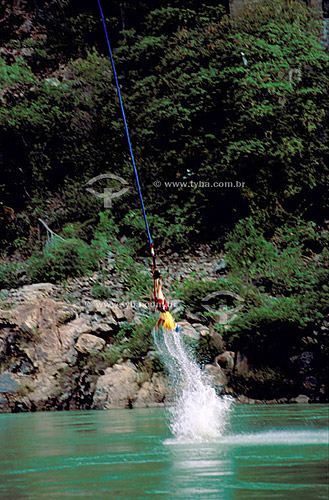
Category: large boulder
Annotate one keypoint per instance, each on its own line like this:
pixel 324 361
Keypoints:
pixel 39 337
pixel 189 330
pixel 89 344
pixel 117 388
pixel 33 292
pixel 48 333
pixel 117 313
pixel 301 399
pixel 68 334
pixel 100 307
pixel 153 392
pixel 8 384
pixel 44 391
pixel 225 360
pixel 217 376
pixel 6 318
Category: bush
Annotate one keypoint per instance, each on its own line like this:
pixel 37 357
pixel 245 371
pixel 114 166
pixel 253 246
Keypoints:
pixel 192 291
pixel 61 260
pixel 277 266
pixel 261 384
pixel 172 232
pixel 206 349
pixel 97 362
pixel 269 332
pixel 137 279
pixel 292 286
pixel 9 274
pixel 106 227
pixel 141 339
pixel 101 292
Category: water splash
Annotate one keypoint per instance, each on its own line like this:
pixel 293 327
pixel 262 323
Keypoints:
pixel 197 413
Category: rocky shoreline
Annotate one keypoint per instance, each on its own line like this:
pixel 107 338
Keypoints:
pixel 57 353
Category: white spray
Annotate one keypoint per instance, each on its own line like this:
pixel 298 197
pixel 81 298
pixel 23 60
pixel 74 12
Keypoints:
pixel 197 413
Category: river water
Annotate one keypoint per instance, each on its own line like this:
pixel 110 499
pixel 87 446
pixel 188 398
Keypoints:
pixel 266 452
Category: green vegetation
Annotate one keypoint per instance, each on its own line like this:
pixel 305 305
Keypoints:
pixel 9 274
pixel 137 339
pixel 262 384
pixel 208 98
pixel 137 278
pixel 198 112
pixel 60 260
pixel 292 288
pixel 284 283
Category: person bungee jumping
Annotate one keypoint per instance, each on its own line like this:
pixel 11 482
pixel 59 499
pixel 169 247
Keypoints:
pixel 165 318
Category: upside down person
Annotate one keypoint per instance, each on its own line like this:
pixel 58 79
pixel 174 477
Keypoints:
pixel 165 318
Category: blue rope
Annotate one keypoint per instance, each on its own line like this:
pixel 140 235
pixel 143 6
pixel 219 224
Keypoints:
pixel 126 126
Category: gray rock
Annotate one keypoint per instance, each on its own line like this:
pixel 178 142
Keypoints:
pixel 22 366
pixel 202 329
pixel 99 307
pixel 45 388
pixel 129 314
pixel 225 359
pixel 117 313
pixel 6 318
pixel 8 384
pixel 109 320
pixel 4 406
pixel 31 322
pixel 301 399
pixel 66 314
pixel 152 392
pixel 52 342
pixel 244 400
pixel 117 388
pixel 102 329
pixel 88 344
pixel 189 331
pixel 192 318
pixel 176 306
pixel 67 335
pixel 218 376
pixel 282 401
pixel 3 346
pixel 35 291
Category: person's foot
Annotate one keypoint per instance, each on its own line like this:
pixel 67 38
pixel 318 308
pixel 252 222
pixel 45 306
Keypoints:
pixel 177 329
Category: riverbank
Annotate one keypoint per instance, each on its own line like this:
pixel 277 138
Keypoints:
pixel 62 349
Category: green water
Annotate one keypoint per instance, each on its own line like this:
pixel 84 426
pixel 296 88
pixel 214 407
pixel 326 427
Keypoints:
pixel 277 452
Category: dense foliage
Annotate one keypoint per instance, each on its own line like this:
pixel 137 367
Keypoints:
pixel 209 99
pixel 199 111
pixel 283 282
